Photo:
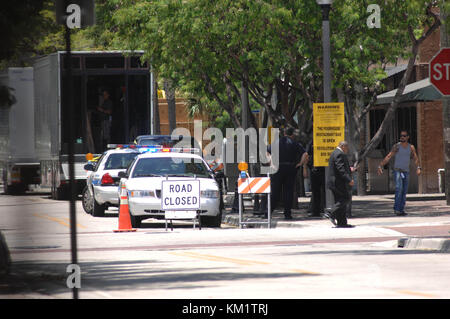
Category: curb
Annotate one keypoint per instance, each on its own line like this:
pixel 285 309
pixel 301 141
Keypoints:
pixel 440 244
pixel 233 220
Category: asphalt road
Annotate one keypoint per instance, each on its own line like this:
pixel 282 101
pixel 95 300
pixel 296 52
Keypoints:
pixel 312 261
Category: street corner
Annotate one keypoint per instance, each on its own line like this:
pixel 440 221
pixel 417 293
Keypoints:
pixel 436 244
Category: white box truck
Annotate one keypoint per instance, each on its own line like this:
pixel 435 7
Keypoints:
pixel 19 165
pixel 127 81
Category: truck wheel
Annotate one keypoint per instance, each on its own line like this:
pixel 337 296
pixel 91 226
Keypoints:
pixel 61 193
pixel 87 201
pixel 7 189
pixel 16 189
pixel 97 209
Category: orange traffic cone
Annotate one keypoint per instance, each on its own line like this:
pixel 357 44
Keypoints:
pixel 124 213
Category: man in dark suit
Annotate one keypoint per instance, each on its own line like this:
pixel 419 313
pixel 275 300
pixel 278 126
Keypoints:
pixel 291 156
pixel 340 182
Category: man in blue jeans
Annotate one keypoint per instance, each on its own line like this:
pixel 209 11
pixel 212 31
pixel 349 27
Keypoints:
pixel 403 152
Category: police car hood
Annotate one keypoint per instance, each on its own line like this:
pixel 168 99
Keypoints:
pixel 154 183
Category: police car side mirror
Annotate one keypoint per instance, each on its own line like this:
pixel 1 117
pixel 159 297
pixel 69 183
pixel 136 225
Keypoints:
pixel 89 167
pixel 122 174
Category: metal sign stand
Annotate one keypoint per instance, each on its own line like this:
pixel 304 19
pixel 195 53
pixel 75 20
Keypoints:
pixel 195 221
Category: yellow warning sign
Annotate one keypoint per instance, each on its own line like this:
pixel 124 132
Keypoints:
pixel 328 130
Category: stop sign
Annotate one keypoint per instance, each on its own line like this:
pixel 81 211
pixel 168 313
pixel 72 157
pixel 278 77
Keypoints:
pixel 440 71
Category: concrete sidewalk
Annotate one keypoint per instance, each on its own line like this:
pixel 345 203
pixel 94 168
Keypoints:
pixel 370 206
pixel 372 211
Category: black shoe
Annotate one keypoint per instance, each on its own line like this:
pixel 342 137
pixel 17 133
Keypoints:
pixel 400 213
pixel 345 226
pixel 288 217
pixel 330 218
pixel 313 215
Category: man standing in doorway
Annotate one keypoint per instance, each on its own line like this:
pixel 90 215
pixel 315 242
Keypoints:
pixel 340 182
pixel 403 152
pixel 106 109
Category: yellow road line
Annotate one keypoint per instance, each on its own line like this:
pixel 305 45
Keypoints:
pixel 415 293
pixel 306 272
pixel 218 258
pixel 236 261
pixel 61 221
pixel 78 225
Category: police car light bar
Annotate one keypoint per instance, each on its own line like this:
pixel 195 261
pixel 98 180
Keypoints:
pixel 121 146
pixel 132 146
pixel 184 150
pixel 171 150
pixel 154 148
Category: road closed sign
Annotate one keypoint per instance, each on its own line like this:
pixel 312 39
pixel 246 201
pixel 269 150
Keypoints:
pixel 328 130
pixel 180 195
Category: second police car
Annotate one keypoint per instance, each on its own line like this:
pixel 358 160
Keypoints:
pixel 102 179
pixel 144 177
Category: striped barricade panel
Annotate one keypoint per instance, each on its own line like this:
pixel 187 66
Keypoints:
pixel 254 185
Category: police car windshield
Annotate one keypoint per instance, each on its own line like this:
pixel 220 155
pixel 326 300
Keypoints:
pixel 156 141
pixel 170 166
pixel 119 160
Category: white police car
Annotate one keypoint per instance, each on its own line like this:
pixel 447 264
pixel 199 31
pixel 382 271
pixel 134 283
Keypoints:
pixel 102 179
pixel 144 179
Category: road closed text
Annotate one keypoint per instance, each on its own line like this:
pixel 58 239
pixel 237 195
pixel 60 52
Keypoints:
pixel 183 200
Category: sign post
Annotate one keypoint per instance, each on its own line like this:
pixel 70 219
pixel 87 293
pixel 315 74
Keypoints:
pixel 72 14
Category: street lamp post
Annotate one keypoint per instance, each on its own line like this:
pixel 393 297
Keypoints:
pixel 326 7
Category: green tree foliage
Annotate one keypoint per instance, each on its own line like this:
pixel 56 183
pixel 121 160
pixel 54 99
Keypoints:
pixel 18 21
pixel 274 46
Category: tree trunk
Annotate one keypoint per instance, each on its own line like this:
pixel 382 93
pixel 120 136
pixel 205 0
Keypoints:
pixel 226 106
pixel 401 88
pixel 171 103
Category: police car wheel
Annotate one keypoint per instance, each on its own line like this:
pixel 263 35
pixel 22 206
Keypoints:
pixel 212 221
pixel 135 221
pixel 97 209
pixel 87 201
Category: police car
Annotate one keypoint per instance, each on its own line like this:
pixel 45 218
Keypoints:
pixel 102 179
pixel 146 176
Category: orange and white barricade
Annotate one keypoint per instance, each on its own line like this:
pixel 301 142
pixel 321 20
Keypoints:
pixel 254 185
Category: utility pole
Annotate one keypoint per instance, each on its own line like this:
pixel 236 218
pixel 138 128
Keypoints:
pixel 326 7
pixel 446 111
pixel 74 14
